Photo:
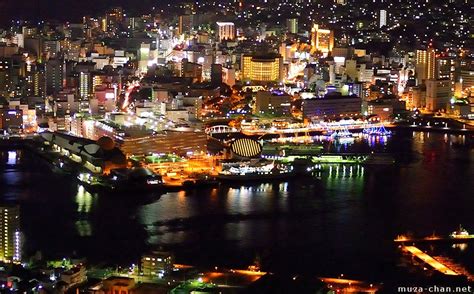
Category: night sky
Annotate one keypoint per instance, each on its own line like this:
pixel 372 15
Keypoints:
pixel 63 10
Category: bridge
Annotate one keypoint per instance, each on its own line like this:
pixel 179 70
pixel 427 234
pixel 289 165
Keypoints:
pixel 220 129
pixel 329 128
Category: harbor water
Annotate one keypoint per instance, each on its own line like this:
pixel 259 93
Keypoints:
pixel 341 222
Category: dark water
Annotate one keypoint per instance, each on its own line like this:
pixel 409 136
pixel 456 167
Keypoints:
pixel 342 223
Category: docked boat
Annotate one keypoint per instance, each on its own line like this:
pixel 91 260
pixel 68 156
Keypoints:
pixel 461 233
pixel 136 179
pixel 334 158
pixel 255 171
pixel 379 159
pixel 200 182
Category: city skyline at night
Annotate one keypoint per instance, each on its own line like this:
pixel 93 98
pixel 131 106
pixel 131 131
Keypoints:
pixel 245 146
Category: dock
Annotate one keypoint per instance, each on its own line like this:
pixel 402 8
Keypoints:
pixel 435 264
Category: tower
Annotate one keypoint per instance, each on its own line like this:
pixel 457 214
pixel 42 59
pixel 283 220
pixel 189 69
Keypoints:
pixel 10 238
pixel 425 64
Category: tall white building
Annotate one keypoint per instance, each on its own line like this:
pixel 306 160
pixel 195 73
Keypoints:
pixel 226 30
pixel 382 18
pixel 10 235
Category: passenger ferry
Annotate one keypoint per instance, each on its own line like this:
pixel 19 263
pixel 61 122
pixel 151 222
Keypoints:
pixel 260 170
pixel 461 233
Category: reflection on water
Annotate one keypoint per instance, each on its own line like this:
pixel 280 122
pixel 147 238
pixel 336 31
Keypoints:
pixel 376 140
pixel 343 220
pixel 460 246
pixel 84 201
pixel 345 171
pixel 12 158
pixel 84 228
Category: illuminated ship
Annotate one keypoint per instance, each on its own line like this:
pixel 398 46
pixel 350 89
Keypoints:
pixel 461 233
pixel 255 170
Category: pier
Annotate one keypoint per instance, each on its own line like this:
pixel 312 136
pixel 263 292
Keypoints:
pixel 435 264
pixel 403 239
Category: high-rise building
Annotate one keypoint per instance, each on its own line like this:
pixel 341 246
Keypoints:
pixel 226 30
pixel 36 82
pixel 5 77
pixel 446 69
pixel 425 64
pixel 54 76
pixel 292 25
pixel 10 238
pixel 113 18
pixel 51 48
pixel 85 85
pixel 466 78
pixel 382 18
pixel 322 39
pixel 185 24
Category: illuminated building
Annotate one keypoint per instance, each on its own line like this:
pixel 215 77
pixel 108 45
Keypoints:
pixel 113 18
pixel 144 57
pixel 10 238
pixel 5 77
pixel 185 24
pixel 332 106
pixel 54 76
pixel 382 18
pixel 385 108
pixel 97 156
pixel 226 30
pixel 74 276
pixel 228 76
pixel 445 69
pixel 418 98
pixel 438 94
pixel 85 86
pixel 120 285
pixel 38 83
pixel 11 119
pixel 191 70
pixel 274 102
pixel 292 25
pixel 157 263
pixel 51 48
pixel 322 39
pixel 34 45
pixel 467 79
pixel 136 140
pixel 262 68
pixel 425 65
